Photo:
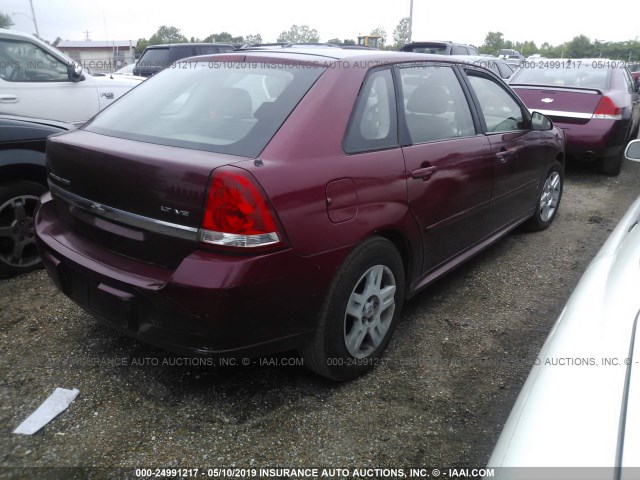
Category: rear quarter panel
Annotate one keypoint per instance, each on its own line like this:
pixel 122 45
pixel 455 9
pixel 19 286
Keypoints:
pixel 306 154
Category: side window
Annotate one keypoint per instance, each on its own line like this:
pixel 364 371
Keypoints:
pixel 472 51
pixel 435 106
pixel 26 62
pixel 458 50
pixel 501 112
pixel 629 80
pixel 373 123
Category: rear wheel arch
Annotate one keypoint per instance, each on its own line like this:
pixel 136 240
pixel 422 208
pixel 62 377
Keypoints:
pixel 359 313
pixel 401 244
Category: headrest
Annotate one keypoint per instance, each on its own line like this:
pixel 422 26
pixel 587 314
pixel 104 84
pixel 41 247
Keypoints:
pixel 431 99
pixel 231 102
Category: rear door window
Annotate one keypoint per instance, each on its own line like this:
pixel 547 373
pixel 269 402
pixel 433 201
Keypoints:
pixel 435 107
pixel 458 50
pixel 373 123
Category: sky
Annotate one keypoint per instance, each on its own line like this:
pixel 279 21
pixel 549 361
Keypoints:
pixel 465 21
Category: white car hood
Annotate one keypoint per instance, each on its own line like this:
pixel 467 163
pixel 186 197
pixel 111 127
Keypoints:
pixel 572 409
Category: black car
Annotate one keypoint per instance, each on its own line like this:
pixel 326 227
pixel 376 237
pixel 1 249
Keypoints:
pixel 22 181
pixel 440 48
pixel 158 57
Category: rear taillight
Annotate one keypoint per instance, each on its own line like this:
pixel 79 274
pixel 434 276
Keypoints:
pixel 237 213
pixel 607 109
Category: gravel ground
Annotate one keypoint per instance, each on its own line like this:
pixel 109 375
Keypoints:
pixel 440 398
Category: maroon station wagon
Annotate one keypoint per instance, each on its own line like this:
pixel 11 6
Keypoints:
pixel 292 199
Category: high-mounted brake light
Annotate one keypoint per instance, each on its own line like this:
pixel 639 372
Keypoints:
pixel 237 212
pixel 606 109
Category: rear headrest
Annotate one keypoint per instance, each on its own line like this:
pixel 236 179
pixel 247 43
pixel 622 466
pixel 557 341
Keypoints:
pixel 231 102
pixel 431 99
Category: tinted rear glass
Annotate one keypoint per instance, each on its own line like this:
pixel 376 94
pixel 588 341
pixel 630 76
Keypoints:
pixel 232 108
pixel 564 74
pixel 434 48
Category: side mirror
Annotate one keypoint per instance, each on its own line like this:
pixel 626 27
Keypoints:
pixel 633 151
pixel 75 72
pixel 541 122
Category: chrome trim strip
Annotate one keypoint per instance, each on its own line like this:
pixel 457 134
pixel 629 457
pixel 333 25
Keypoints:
pixel 564 88
pixel 126 218
pixel 559 113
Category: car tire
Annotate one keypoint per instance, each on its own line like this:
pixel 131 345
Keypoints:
pixel 359 314
pixel 611 165
pixel 548 201
pixel 19 202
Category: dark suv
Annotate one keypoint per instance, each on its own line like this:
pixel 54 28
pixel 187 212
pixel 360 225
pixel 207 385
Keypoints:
pixel 158 57
pixel 440 48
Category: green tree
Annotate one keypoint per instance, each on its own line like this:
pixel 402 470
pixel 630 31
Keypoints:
pixel 348 41
pixel 167 35
pixel 141 44
pixel 302 34
pixel 580 47
pixel 335 41
pixel 252 39
pixel 5 20
pixel 492 43
pixel 401 33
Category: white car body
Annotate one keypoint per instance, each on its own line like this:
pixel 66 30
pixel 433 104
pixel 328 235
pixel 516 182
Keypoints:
pixel 69 100
pixel 574 411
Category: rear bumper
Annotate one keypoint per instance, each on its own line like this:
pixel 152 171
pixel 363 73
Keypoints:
pixel 597 138
pixel 211 303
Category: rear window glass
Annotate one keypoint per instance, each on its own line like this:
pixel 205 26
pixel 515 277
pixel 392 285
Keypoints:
pixel 564 74
pixel 433 48
pixel 232 108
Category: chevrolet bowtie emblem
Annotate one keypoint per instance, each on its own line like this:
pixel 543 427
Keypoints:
pixel 547 100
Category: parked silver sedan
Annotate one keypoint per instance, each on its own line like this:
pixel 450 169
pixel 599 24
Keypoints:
pixel 580 405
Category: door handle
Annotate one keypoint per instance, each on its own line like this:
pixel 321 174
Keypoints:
pixel 503 154
pixel 8 98
pixel 424 173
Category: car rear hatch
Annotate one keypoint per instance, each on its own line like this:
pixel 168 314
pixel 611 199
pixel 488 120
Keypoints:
pixel 568 91
pixel 563 105
pixel 143 201
pixel 134 179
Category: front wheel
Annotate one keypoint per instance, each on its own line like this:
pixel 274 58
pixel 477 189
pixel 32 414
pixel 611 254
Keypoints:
pixel 548 200
pixel 360 312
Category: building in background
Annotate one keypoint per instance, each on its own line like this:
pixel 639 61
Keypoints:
pixel 100 56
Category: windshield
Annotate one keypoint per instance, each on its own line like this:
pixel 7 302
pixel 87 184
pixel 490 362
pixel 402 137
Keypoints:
pixel 223 107
pixel 579 74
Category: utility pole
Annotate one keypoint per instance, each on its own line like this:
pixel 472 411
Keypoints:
pixel 33 13
pixel 410 19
